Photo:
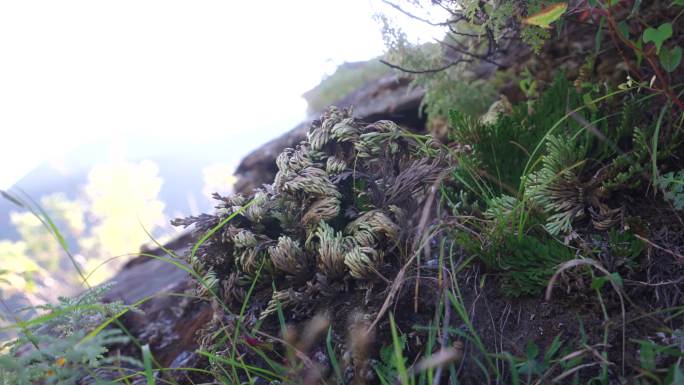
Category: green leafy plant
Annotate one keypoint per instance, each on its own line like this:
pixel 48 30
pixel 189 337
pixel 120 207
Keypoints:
pixel 393 361
pixel 662 363
pixel 499 151
pixel 658 36
pixel 625 247
pixel 525 263
pixel 672 186
pixel 670 58
pixel 83 312
pixel 60 360
pixel 555 187
pixel 536 364
pixel 56 346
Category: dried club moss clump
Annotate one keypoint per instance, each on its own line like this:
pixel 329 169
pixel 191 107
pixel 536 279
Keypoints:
pixel 338 217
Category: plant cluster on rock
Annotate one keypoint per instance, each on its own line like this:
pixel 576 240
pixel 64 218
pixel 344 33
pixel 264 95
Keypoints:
pixel 340 215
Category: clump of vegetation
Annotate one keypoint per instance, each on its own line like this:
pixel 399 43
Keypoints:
pixel 336 213
pixel 556 162
pixel 526 263
pixel 672 185
pixel 57 347
pixel 541 193
pixel 414 262
pixel 339 218
pixel 499 151
pixel 534 189
pixel 488 45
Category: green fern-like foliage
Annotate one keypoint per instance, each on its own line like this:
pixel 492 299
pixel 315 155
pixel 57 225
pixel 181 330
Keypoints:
pixel 539 166
pixel 556 186
pixel 83 312
pixel 566 164
pixel 524 263
pixel 53 348
pixel 672 186
pixel 60 360
pixel 632 162
pixel 499 151
pixel 629 167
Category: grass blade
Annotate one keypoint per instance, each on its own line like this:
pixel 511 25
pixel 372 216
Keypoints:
pixel 398 354
pixel 333 358
pixel 147 361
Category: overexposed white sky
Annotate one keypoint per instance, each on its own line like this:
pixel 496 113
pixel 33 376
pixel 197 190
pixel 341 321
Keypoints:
pixel 72 72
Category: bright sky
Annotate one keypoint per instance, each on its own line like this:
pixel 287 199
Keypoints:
pixel 78 71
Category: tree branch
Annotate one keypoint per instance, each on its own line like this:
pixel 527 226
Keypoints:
pixel 455 32
pixel 412 16
pixel 427 71
pixel 485 58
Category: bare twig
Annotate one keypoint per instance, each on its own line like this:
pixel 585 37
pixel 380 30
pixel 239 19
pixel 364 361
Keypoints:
pixel 466 34
pixel 426 71
pixel 486 57
pixel 421 229
pixel 664 283
pixel 452 12
pixel 412 16
pixel 673 253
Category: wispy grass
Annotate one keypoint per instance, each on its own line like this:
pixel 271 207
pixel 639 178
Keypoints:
pixel 34 208
pixel 24 327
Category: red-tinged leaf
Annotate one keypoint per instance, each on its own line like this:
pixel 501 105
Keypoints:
pixel 584 16
pixel 258 343
pixel 545 17
pixel 251 341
